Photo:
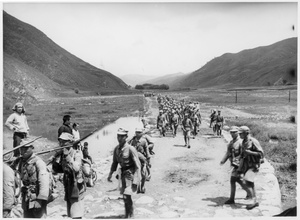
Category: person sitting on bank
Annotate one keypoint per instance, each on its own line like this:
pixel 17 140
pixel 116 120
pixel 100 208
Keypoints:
pixel 85 152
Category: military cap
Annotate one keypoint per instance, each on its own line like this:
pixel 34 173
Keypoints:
pixel 8 157
pixel 243 129
pixel 25 141
pixel 234 129
pixel 139 130
pixel 122 131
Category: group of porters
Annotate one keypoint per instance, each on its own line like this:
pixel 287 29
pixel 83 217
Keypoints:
pixel 29 179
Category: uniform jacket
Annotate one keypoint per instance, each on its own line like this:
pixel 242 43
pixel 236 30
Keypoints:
pixel 251 161
pixel 140 145
pixel 127 157
pixel 35 179
pixel 8 187
pixel 161 120
pixel 234 149
pixel 187 124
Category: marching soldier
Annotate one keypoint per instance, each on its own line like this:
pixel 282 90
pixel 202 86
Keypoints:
pixel 127 157
pixel 233 153
pixel 251 158
pixel 161 123
pixel 141 146
pixel 219 123
pixel 174 122
pixel 213 118
pixel 187 126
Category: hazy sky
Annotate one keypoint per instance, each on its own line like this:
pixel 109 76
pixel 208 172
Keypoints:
pixel 158 38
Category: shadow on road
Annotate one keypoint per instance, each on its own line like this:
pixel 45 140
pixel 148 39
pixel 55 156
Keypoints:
pixel 177 145
pixel 218 200
pixel 221 200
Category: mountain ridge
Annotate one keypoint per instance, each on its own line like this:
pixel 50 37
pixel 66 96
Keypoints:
pixel 26 44
pixel 261 66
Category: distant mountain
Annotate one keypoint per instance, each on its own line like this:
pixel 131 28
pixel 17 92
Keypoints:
pixel 36 66
pixel 261 66
pixel 134 79
pixel 172 80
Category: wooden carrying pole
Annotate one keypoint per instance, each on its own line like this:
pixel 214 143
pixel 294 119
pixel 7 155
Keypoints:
pixel 69 145
pixel 7 152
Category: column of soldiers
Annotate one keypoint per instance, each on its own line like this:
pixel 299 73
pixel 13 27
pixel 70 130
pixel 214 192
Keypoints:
pixel 173 113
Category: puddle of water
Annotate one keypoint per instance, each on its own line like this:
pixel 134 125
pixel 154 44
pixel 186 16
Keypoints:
pixel 102 142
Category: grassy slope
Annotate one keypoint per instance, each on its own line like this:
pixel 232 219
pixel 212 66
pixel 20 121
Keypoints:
pixel 259 66
pixel 32 48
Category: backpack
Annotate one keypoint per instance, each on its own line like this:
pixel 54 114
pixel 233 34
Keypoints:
pixel 52 184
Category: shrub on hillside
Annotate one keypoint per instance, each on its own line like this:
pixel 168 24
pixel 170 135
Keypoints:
pixel 292 118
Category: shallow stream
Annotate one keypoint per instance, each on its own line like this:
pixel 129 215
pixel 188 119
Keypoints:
pixel 102 142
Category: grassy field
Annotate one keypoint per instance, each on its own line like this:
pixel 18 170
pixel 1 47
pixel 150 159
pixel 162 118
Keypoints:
pixel 271 116
pixel 44 118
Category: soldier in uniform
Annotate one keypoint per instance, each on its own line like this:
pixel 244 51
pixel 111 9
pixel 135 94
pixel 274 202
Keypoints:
pixel 73 180
pixel 161 123
pixel 187 126
pixel 35 179
pixel 149 142
pixel 213 118
pixel 174 122
pixel 10 183
pixel 219 123
pixel 251 157
pixel 141 146
pixel 127 157
pixel 233 153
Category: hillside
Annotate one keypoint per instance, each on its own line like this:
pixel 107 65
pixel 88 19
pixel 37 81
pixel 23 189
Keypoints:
pixel 134 79
pixel 263 66
pixel 37 66
pixel 172 80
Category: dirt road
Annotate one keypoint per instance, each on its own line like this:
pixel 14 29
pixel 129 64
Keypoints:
pixel 185 182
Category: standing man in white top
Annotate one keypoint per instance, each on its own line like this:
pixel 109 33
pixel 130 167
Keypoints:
pixel 17 122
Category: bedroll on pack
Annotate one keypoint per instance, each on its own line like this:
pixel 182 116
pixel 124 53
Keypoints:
pixel 52 185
